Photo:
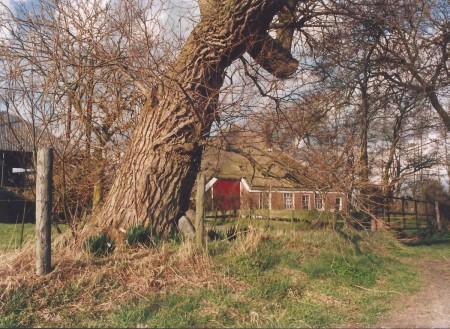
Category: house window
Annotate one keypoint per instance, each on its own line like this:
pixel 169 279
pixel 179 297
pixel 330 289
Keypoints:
pixel 305 201
pixel 338 204
pixel 264 200
pixel 288 200
pixel 319 202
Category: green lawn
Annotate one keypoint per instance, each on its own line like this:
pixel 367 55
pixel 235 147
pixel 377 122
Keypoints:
pixel 308 215
pixel 11 235
pixel 275 275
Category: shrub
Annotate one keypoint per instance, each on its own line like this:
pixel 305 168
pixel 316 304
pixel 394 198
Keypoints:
pixel 175 236
pixel 230 234
pixel 99 245
pixel 139 235
pixel 215 234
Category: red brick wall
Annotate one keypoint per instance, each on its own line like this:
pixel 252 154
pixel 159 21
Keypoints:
pixel 298 200
pixel 250 200
pixel 331 201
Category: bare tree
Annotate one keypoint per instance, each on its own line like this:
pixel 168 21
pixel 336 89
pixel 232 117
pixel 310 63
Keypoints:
pixel 57 75
pixel 101 62
pixel 158 171
pixel 415 51
pixel 399 129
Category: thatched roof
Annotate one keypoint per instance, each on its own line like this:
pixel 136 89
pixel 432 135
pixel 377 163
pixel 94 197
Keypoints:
pixel 246 155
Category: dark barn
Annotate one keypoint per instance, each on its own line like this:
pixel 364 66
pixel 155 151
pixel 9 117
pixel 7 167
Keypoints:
pixel 16 174
pixel 16 151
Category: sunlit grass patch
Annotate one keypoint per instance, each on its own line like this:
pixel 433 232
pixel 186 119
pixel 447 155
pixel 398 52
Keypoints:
pixel 13 235
pixel 267 277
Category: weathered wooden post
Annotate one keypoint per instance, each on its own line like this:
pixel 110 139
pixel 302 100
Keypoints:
pixel 417 215
pixel 426 216
pixel 3 170
pixel 334 220
pixel 403 213
pixel 199 210
pixel 44 187
pixel 438 216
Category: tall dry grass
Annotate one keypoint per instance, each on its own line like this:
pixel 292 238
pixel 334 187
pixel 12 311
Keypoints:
pixel 101 283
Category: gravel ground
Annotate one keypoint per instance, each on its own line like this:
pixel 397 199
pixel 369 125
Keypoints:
pixel 430 307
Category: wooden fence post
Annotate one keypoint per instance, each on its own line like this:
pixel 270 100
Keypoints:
pixel 417 214
pixel 438 216
pixel 334 220
pixel 403 213
pixel 199 210
pixel 426 216
pixel 3 169
pixel 44 189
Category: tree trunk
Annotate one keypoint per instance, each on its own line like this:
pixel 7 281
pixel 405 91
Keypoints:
pixel 363 174
pixel 158 170
pixel 447 160
pixel 388 182
pixel 98 189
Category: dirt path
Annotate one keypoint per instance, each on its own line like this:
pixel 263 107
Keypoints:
pixel 430 307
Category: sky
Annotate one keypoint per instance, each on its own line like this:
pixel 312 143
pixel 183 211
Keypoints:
pixel 178 18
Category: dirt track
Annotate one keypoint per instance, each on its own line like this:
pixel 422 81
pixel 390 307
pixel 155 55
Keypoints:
pixel 430 307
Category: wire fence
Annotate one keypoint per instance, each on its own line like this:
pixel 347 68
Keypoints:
pixel 17 211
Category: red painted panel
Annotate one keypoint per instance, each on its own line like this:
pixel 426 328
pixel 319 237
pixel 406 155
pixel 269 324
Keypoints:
pixel 226 194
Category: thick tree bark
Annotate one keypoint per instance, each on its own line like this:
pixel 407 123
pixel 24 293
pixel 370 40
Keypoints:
pixel 364 122
pixel 434 100
pixel 157 173
pixel 388 182
pixel 98 189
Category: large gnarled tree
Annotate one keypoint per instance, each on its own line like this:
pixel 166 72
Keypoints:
pixel 157 173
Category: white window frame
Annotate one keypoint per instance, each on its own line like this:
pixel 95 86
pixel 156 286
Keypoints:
pixel 305 205
pixel 317 198
pixel 264 196
pixel 289 205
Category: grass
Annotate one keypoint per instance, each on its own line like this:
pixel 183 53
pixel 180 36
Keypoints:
pixel 305 215
pixel 11 235
pixel 226 223
pixel 412 223
pixel 276 275
pixel 432 246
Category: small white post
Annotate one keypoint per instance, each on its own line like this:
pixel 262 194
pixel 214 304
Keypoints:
pixel 199 210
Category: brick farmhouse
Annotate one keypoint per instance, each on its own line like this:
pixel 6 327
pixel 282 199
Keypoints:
pixel 233 194
pixel 252 176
